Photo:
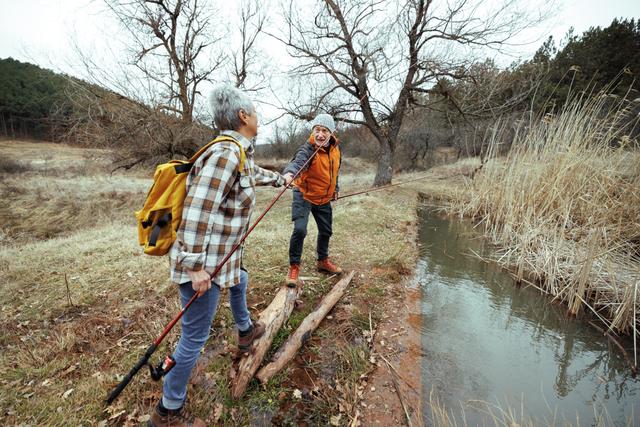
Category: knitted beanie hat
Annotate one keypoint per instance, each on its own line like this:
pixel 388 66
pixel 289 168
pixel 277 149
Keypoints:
pixel 324 120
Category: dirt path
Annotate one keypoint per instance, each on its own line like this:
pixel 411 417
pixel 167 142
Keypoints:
pixel 394 392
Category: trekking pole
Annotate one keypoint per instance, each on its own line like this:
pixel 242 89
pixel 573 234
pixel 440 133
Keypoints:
pixel 370 190
pixel 153 347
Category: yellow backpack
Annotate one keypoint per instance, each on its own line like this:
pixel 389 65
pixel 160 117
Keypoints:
pixel 160 217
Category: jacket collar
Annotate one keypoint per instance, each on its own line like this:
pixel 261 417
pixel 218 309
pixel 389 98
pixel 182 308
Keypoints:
pixel 244 141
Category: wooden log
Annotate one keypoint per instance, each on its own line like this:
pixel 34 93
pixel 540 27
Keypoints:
pixel 303 333
pixel 273 318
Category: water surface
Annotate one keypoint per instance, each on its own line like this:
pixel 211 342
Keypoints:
pixel 484 339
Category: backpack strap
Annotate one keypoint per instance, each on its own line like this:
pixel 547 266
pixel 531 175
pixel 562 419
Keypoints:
pixel 221 138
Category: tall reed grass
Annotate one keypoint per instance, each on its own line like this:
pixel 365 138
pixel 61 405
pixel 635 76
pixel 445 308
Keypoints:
pixel 564 205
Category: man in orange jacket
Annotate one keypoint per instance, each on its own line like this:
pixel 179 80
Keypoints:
pixel 314 190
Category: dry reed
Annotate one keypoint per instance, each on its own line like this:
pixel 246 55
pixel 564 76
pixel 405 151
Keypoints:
pixel 564 206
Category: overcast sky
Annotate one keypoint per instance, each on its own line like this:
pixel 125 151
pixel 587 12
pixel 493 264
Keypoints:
pixel 42 31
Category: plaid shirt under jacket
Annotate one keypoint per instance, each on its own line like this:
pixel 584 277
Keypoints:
pixel 217 211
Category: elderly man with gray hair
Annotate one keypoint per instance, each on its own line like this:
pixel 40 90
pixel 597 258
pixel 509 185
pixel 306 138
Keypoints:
pixel 217 209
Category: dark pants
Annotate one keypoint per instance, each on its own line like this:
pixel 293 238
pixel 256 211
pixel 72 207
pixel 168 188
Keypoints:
pixel 300 216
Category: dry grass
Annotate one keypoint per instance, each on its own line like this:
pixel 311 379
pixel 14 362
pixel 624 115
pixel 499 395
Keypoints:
pixel 564 204
pixel 504 414
pixel 80 302
pixel 56 190
pixel 55 158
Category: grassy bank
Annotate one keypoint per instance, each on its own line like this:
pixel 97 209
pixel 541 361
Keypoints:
pixel 564 207
pixel 80 302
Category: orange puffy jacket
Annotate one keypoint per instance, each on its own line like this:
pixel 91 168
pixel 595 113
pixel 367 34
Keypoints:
pixel 319 181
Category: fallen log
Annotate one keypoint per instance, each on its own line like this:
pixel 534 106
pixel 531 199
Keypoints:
pixel 303 333
pixel 273 318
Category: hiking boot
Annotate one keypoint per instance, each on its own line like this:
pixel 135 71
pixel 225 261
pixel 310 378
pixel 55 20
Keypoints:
pixel 162 417
pixel 328 267
pixel 293 278
pixel 245 342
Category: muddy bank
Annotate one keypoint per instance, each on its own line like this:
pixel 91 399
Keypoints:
pixel 393 393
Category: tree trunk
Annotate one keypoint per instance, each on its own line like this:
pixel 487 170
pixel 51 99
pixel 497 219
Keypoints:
pixel 385 164
pixel 303 333
pixel 4 125
pixel 273 318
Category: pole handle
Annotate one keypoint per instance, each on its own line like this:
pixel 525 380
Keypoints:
pixel 127 378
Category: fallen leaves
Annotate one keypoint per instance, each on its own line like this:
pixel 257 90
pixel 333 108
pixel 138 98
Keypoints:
pixel 98 375
pixel 69 370
pixel 131 420
pixel 214 417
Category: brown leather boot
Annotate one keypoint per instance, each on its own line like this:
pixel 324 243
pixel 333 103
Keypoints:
pixel 328 267
pixel 245 342
pixel 173 418
pixel 293 278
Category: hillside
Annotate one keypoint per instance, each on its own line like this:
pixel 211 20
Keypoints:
pixel 28 96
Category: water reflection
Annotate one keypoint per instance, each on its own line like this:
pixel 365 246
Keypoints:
pixel 485 339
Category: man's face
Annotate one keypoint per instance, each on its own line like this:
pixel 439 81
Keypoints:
pixel 252 122
pixel 321 135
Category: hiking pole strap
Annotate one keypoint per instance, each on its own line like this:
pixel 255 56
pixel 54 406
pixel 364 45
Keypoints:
pixel 127 379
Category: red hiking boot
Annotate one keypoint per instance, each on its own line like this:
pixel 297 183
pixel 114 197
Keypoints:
pixel 327 266
pixel 293 277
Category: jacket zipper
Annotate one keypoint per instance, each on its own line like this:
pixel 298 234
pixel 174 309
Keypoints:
pixel 330 172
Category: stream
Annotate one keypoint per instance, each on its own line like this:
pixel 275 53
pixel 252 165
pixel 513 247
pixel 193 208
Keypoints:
pixel 490 346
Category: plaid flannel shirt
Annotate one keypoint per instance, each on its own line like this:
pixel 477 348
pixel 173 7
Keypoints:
pixel 217 211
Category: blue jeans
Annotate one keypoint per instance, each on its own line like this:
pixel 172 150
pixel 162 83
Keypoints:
pixel 196 324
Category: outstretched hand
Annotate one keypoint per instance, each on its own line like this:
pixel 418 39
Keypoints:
pixel 288 177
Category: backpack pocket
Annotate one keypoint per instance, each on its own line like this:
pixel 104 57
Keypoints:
pixel 157 231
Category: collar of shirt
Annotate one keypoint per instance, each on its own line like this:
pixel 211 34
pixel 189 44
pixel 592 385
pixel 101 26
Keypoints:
pixel 246 143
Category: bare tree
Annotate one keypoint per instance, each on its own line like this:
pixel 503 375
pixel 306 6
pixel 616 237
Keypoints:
pixel 252 22
pixel 370 62
pixel 153 105
pixel 170 41
pixel 137 133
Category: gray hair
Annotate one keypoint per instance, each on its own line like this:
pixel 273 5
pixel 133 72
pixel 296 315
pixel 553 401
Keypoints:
pixel 226 102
